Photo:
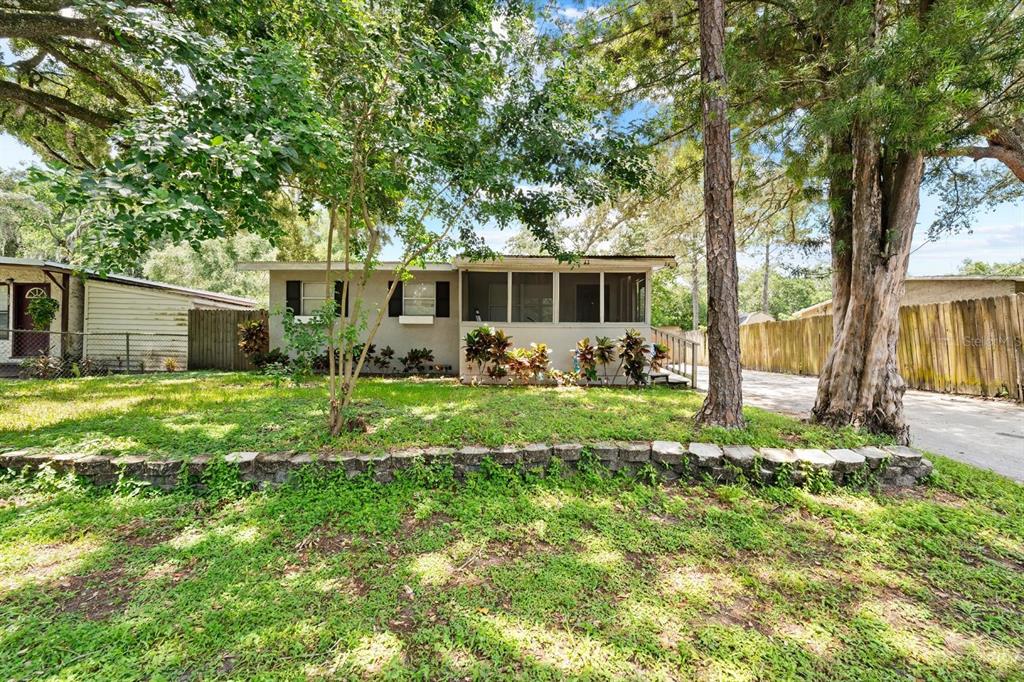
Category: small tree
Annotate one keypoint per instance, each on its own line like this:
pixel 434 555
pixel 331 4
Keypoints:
pixel 407 124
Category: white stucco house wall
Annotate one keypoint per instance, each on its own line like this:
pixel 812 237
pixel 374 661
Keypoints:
pixel 111 318
pixel 534 299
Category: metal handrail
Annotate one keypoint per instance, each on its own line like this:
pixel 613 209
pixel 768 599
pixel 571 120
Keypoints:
pixel 679 347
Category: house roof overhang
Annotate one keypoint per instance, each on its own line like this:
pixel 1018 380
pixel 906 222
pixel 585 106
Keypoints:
pixel 271 266
pixel 591 263
pixel 506 262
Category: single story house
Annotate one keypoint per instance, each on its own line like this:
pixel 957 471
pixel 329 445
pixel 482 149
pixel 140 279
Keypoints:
pixel 115 319
pixel 940 289
pixel 534 299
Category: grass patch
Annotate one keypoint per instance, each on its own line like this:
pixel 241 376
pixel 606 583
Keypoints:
pixel 211 413
pixel 505 578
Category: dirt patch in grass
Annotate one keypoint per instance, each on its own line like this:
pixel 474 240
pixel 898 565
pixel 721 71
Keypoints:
pixel 473 571
pixel 97 595
pixel 741 612
pixel 928 494
pixel 323 541
pixel 173 571
pixel 1008 562
pixel 145 534
pixel 644 564
pixel 412 526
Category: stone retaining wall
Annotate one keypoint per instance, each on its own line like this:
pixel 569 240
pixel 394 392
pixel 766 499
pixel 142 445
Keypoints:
pixel 672 461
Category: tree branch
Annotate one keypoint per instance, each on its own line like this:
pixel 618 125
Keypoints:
pixel 101 83
pixel 42 27
pixel 51 103
pixel 1011 159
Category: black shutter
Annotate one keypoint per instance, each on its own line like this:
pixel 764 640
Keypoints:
pixel 293 296
pixel 337 296
pixel 443 299
pixel 395 304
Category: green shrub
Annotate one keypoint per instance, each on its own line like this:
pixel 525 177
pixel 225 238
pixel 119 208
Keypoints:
pixel 254 338
pixel 43 311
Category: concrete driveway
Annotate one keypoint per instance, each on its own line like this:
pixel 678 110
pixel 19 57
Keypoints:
pixel 986 433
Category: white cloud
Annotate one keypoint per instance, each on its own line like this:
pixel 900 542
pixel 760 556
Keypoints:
pixel 998 242
pixel 576 13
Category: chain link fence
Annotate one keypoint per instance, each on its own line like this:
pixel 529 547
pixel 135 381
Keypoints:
pixel 52 355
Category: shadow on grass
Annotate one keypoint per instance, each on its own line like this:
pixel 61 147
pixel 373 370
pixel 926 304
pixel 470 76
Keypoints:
pixel 499 578
pixel 203 413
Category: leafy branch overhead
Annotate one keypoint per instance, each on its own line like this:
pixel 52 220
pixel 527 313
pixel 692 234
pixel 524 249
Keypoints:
pixel 447 114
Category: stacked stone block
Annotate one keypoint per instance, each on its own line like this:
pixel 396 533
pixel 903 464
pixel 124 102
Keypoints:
pixel 893 466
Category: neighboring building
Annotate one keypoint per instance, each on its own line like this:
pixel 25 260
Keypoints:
pixel 534 299
pixel 111 319
pixel 940 289
pixel 755 318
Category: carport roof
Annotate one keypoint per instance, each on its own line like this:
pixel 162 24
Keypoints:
pixel 54 266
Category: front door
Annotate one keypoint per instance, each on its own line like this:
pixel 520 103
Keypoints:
pixel 26 343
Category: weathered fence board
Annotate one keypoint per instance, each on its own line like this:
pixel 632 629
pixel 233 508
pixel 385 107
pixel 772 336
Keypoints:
pixel 970 347
pixel 213 338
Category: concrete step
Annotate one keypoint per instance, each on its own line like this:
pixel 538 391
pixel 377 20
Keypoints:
pixel 669 378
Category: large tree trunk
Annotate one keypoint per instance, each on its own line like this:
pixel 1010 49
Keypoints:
pixel 724 402
pixel 874 211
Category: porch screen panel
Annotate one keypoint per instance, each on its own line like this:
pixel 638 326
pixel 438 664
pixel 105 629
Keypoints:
pixel 485 296
pixel 625 296
pixel 533 296
pixel 579 297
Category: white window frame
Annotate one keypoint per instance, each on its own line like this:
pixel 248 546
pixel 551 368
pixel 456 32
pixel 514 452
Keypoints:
pixel 406 298
pixel 303 297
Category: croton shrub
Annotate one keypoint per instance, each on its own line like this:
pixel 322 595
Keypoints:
pixel 491 351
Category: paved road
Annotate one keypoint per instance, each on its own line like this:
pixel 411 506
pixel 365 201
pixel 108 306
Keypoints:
pixel 986 433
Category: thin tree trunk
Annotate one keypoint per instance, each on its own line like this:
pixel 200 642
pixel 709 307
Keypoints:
pixel 767 272
pixel 860 384
pixel 695 293
pixel 332 368
pixel 724 402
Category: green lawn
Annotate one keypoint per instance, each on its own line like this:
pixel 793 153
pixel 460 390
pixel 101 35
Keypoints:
pixel 211 413
pixel 504 578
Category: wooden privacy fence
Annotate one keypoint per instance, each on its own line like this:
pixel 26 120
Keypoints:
pixel 971 347
pixel 213 338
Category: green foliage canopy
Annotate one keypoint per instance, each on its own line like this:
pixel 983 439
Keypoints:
pixel 427 112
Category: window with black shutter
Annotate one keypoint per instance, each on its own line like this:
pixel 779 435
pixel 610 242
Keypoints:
pixel 338 286
pixel 395 304
pixel 293 296
pixel 443 299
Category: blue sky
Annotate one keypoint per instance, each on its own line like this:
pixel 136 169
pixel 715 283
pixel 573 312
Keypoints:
pixel 997 235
